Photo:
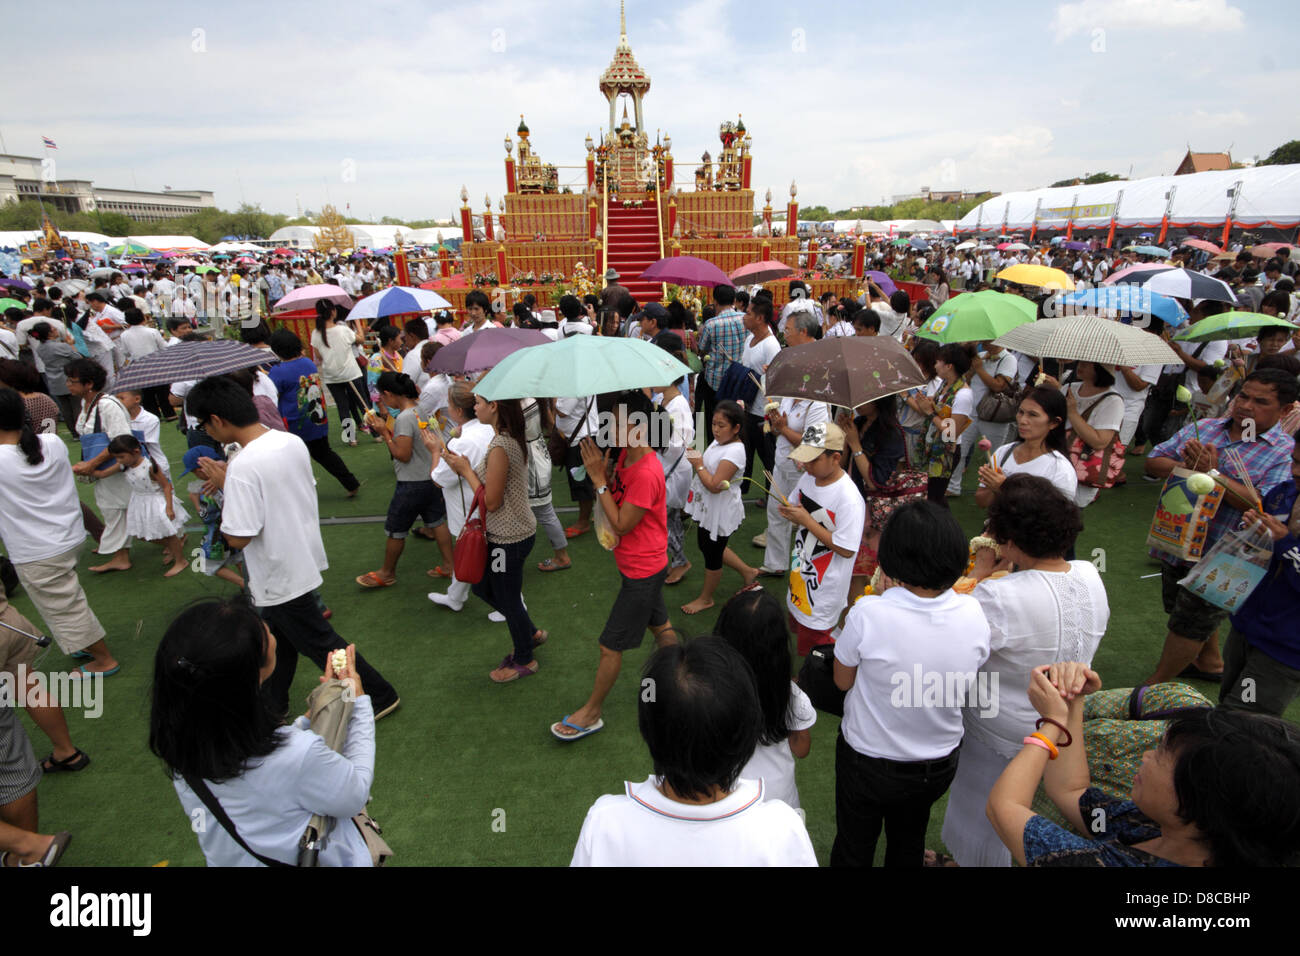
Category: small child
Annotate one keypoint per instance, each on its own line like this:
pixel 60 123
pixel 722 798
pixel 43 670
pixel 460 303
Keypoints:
pixel 218 558
pixel 154 513
pixel 146 426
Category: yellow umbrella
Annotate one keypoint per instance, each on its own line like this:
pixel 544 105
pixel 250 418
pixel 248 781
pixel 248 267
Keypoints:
pixel 1043 277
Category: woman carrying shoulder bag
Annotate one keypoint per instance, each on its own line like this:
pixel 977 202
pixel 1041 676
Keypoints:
pixel 213 728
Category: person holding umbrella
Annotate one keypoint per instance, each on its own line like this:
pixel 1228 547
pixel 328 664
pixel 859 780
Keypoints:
pixel 332 344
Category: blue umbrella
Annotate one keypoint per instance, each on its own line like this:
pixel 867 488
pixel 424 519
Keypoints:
pixel 1151 251
pixel 1128 301
pixel 1057 240
pixel 398 300
pixel 920 244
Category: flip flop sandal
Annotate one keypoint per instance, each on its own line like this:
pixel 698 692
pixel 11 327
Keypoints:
pixel 516 671
pixel 82 672
pixel 78 761
pixel 575 532
pixel 550 565
pixel 372 580
pixel 581 731
pixel 58 846
pixel 438 572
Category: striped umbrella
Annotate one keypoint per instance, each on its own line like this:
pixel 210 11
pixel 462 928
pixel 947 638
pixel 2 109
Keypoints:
pixel 398 300
pixel 191 360
pixel 1088 338
pixel 1182 284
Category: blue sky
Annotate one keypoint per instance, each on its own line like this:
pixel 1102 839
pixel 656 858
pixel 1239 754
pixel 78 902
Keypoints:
pixel 392 105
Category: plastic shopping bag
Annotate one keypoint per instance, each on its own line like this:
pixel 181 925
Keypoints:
pixel 1182 519
pixel 1232 568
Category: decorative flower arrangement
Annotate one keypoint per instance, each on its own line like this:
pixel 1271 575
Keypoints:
pixel 633 203
pixel 523 278
pixel 485 278
pixel 686 296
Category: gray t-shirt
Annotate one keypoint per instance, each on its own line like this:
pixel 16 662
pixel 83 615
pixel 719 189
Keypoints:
pixel 421 463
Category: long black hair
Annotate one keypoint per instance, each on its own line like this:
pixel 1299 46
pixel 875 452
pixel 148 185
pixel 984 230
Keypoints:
pixel 753 622
pixel 14 418
pixel 324 312
pixel 210 716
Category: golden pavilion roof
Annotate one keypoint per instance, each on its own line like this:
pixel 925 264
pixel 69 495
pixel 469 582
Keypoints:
pixel 624 74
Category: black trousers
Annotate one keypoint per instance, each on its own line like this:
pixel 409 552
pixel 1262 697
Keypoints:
pixel 758 445
pixel 329 459
pixel 706 400
pixel 870 791
pixel 299 628
pixel 349 404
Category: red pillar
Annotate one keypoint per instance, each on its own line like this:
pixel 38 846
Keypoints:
pixel 466 223
pixel 399 265
pixel 593 218
pixel 1110 234
pixel 600 260
pixel 766 252
pixel 510 174
pixel 672 217
pixel 591 170
pixel 859 259
pixel 812 255
pixel 677 248
pixel 444 262
pixel 792 218
pixel 502 278
pixel 746 168
pixel 487 223
pixel 1227 232
pixel 1164 228
pixel 668 171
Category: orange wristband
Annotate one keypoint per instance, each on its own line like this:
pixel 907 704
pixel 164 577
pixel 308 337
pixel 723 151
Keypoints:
pixel 1051 747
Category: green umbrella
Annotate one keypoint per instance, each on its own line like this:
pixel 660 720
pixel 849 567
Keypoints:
pixel 130 249
pixel 977 317
pixel 12 304
pixel 1231 325
pixel 900 242
pixel 579 366
pixel 202 269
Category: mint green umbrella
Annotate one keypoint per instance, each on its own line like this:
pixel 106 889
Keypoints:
pixel 1231 325
pixel 129 248
pixel 977 317
pixel 202 269
pixel 579 366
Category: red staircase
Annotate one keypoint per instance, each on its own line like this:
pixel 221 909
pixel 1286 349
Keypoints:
pixel 633 243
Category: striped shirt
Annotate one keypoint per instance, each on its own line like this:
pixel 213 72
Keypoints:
pixel 1267 460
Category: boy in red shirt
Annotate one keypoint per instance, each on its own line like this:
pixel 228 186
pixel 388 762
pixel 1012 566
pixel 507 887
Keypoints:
pixel 635 504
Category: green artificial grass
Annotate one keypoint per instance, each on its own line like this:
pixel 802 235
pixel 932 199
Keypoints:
pixel 467 771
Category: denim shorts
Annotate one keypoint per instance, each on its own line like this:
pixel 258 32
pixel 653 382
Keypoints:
pixel 411 500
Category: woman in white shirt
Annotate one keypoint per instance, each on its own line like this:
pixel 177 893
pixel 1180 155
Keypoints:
pixel 1049 609
pixel 754 623
pixel 332 349
pixel 677 470
pixel 471 443
pixel 1096 413
pixel 714 501
pixel 103 414
pixel 1042 449
pixel 213 729
pixel 898 747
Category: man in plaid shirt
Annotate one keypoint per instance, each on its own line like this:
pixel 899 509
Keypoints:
pixel 722 340
pixel 1251 429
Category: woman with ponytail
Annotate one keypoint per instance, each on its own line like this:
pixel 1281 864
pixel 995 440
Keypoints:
pixel 40 524
pixel 333 343
pixel 416 496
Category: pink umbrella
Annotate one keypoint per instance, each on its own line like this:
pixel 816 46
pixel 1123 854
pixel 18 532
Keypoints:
pixel 1141 266
pixel 764 271
pixel 1268 249
pixel 186 262
pixel 1203 244
pixel 246 260
pixel 685 270
pixel 307 296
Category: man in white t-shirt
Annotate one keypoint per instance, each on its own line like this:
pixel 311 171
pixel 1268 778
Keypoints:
pixel 828 514
pixel 694 810
pixel 761 347
pixel 270 512
pixel 1134 385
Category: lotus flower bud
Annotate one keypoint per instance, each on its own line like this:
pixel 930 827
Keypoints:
pixel 1183 394
pixel 340 661
pixel 725 485
pixel 985 444
pixel 1200 483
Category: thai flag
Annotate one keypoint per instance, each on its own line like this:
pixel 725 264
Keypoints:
pixel 49 143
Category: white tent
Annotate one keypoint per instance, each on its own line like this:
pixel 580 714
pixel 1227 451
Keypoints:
pixel 366 236
pixel 163 243
pixel 1269 196
pixel 16 239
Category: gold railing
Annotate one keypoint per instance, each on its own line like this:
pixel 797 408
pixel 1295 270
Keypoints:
pixel 659 217
pixel 604 230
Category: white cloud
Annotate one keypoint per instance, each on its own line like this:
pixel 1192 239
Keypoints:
pixel 1088 15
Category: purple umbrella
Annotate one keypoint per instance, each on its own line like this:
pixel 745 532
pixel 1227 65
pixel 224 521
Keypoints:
pixel 886 284
pixel 1075 245
pixel 16 284
pixel 685 270
pixel 479 351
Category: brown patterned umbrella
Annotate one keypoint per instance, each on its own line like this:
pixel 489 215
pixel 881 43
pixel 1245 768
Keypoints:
pixel 849 372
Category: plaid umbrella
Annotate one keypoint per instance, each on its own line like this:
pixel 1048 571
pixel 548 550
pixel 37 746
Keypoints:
pixel 845 371
pixel 482 350
pixel 1088 338
pixel 189 361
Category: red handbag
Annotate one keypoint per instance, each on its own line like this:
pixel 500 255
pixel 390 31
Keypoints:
pixel 470 554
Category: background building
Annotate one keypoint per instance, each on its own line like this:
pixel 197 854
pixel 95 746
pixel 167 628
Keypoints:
pixel 29 177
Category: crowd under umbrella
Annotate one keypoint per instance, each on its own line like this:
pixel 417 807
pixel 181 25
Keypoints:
pixel 1231 325
pixel 1183 284
pixel 188 361
pixel 1089 338
pixel 581 366
pixel 1156 251
pixel 768 270
pixel 308 295
pixel 977 317
pixel 886 284
pixel 685 270
pixel 484 349
pixel 848 371
pixel 1115 278
pixel 1041 277
pixel 397 300
pixel 1126 301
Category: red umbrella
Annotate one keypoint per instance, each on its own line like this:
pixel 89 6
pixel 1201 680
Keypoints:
pixel 764 271
pixel 282 251
pixel 1203 244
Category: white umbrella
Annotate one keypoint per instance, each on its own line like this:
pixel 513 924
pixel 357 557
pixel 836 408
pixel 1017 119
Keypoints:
pixel 1089 338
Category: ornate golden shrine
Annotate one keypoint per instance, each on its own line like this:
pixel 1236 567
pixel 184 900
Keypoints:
pixel 334 235
pixel 52 242
pixel 532 175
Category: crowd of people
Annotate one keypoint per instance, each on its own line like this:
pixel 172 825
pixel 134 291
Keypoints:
pixel 886 601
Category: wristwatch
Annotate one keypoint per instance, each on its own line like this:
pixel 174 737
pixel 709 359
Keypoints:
pixel 601 490
pixel 858 454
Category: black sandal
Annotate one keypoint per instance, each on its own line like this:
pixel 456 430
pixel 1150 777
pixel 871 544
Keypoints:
pixel 78 761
